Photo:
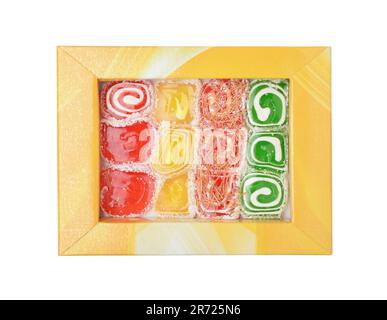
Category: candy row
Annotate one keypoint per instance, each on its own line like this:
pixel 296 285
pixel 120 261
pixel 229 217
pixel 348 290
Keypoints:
pixel 218 102
pixel 178 148
pixel 264 185
pixel 217 176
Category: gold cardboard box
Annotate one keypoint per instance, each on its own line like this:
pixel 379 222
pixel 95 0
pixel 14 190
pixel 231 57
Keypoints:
pixel 80 230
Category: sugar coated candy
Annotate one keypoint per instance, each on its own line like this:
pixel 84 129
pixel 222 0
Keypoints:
pixel 267 103
pixel 173 196
pixel 126 193
pixel 221 148
pixel 216 194
pixel 263 195
pixel 221 102
pixel 131 143
pixel 120 100
pixel 174 151
pixel 267 150
pixel 175 101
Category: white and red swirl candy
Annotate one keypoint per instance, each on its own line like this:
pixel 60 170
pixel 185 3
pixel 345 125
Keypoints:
pixel 120 100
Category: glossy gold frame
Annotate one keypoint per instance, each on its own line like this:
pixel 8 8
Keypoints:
pixel 80 230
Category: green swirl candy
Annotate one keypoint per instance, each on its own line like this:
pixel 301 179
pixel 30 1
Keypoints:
pixel 267 103
pixel 262 196
pixel 267 151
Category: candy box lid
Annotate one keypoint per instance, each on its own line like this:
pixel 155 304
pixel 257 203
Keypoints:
pixel 81 232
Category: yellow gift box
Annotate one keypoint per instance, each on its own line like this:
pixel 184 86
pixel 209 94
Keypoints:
pixel 81 232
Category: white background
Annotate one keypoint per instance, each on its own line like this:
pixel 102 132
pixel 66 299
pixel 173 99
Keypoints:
pixel 29 265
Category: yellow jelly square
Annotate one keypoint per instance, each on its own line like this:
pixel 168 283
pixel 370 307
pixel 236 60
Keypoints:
pixel 174 152
pixel 175 101
pixel 173 196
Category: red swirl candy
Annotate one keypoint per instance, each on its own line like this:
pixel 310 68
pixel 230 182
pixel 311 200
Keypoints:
pixel 120 100
pixel 125 193
pixel 132 143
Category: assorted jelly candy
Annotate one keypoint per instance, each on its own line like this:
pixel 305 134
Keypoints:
pixel 126 193
pixel 121 100
pixel 221 103
pixel 263 195
pixel 132 143
pixel 267 150
pixel 173 196
pixel 267 103
pixel 208 148
pixel 174 151
pixel 175 101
